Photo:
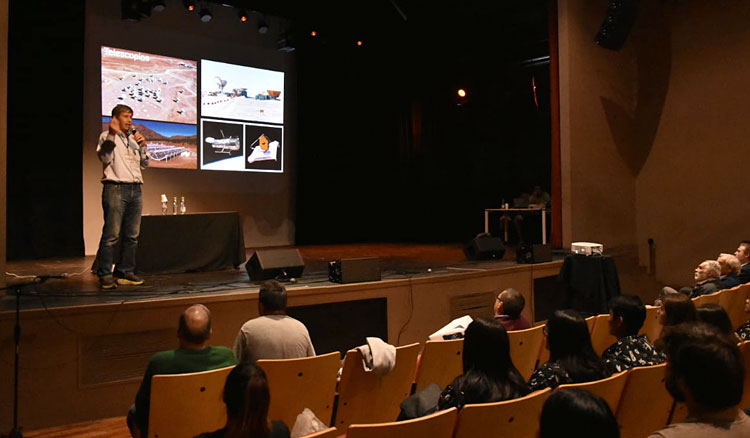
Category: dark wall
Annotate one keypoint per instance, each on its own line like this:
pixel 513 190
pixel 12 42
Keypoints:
pixel 386 154
pixel 45 110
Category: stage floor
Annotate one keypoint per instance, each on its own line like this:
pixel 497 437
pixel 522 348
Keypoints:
pixel 81 287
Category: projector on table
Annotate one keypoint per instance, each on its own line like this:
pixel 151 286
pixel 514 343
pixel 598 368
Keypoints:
pixel 586 248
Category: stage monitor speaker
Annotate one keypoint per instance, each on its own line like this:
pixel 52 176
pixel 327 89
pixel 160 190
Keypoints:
pixel 533 254
pixel 614 30
pixel 266 264
pixel 485 247
pixel 354 270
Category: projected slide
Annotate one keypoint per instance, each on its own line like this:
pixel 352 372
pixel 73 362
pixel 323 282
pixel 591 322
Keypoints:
pixel 263 151
pixel 237 92
pixel 170 145
pixel 156 87
pixel 222 145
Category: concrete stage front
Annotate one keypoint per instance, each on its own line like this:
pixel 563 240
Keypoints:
pixel 85 361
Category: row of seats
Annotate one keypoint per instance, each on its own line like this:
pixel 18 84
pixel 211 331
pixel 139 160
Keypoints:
pixel 365 398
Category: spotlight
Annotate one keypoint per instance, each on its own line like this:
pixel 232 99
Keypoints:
pixel 262 27
pixel 242 15
pixel 359 43
pixel 189 5
pixel 313 33
pixel 158 5
pixel 461 92
pixel 206 15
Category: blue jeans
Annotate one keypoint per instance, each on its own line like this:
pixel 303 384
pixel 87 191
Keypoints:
pixel 122 205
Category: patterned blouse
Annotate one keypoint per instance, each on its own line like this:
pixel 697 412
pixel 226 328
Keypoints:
pixel 631 351
pixel 744 331
pixel 549 375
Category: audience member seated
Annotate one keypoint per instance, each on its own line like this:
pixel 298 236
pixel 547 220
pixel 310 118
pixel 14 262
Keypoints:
pixel 743 255
pixel 488 374
pixel 715 315
pixel 274 334
pixel 675 309
pixel 730 270
pixel 626 316
pixel 577 413
pixel 705 371
pixel 508 307
pixel 706 279
pixel 744 331
pixel 194 355
pixel 247 398
pixel 572 357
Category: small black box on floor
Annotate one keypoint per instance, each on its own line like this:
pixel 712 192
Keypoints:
pixel 484 247
pixel 354 270
pixel 533 254
pixel 266 264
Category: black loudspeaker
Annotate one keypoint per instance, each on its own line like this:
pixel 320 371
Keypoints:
pixel 484 247
pixel 533 254
pixel 266 264
pixel 354 270
pixel 617 23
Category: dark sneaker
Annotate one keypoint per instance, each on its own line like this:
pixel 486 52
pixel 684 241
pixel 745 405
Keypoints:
pixel 107 282
pixel 129 278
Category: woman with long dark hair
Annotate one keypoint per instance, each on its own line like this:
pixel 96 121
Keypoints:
pixel 488 374
pixel 572 358
pixel 247 399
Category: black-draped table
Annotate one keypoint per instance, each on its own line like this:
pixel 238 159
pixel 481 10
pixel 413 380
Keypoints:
pixel 171 244
pixel 590 282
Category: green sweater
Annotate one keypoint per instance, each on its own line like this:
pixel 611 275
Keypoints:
pixel 177 362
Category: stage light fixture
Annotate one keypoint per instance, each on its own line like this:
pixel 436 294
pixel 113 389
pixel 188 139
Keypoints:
pixel 461 92
pixel 242 15
pixel 206 15
pixel 359 43
pixel 262 27
pixel 158 5
pixel 313 33
pixel 189 5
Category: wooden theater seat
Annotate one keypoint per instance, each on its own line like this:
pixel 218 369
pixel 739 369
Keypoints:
pixel 651 326
pixel 296 384
pixel 601 339
pixel 368 398
pixel 437 425
pixel 733 301
pixel 525 347
pixel 331 432
pixel 441 362
pixel 517 418
pixel 645 404
pixel 187 404
pixel 706 299
pixel 610 389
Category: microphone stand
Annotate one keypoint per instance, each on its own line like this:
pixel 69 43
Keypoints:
pixel 17 288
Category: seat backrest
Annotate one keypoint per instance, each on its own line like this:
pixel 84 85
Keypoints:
pixel 437 425
pixel 525 346
pixel 733 301
pixel 707 299
pixel 331 432
pixel 645 403
pixel 440 363
pixel 651 327
pixel 601 339
pixel 745 351
pixel 590 321
pixel 296 384
pixel 517 418
pixel 610 389
pixel 187 404
pixel 365 397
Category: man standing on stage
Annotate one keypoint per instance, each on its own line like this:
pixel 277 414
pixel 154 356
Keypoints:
pixel 122 152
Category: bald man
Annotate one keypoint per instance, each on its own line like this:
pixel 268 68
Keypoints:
pixel 194 355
